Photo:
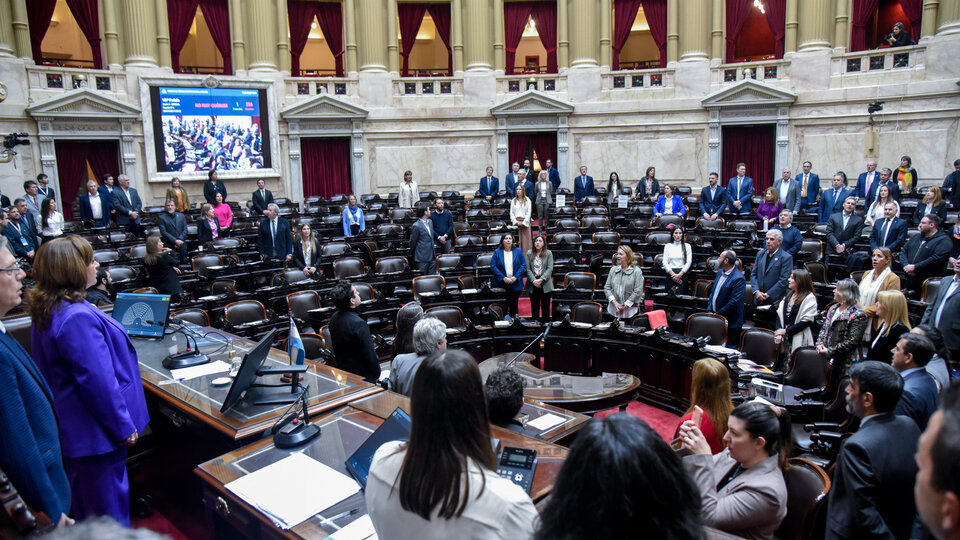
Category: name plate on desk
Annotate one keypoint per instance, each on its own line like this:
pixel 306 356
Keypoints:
pixel 561 199
pixel 623 201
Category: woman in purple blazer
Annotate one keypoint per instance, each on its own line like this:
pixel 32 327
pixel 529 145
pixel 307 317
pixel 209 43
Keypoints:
pixel 91 366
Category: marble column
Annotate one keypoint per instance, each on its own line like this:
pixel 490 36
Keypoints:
pixel 790 31
pixel 111 33
pixel 816 24
pixel 694 16
pixel 718 45
pixel 164 55
pixel 583 34
pixel 673 30
pixel 841 25
pixel 499 51
pixel 928 25
pixel 140 31
pixel 350 35
pixel 477 48
pixel 281 38
pixel 393 37
pixel 949 18
pixel 606 39
pixel 563 35
pixel 373 33
pixel 237 36
pixel 21 30
pixel 262 53
pixel 6 29
pixel 456 35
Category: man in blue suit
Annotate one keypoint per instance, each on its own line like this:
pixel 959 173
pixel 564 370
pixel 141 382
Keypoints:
pixel 789 191
pixel 713 198
pixel 511 180
pixel 273 236
pixel 583 185
pixel 886 179
pixel 891 232
pixel 772 271
pixel 867 184
pixel 831 201
pixel 106 191
pixel 808 186
pixel 30 454
pixel 421 241
pixel 920 395
pixel 19 233
pixel 93 206
pixel 128 205
pixel 553 175
pixel 740 192
pixel 489 185
pixel 726 295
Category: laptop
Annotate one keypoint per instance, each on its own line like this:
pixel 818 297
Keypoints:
pixel 395 428
pixel 143 315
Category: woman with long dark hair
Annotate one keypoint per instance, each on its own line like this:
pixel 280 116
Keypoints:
pixel 649 186
pixel 796 313
pixel 443 482
pixel 508 266
pixel 50 221
pixel 407 317
pixel 540 278
pixel 614 187
pixel 677 260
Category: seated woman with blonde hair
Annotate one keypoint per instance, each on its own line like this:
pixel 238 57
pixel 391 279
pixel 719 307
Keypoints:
pixel 891 312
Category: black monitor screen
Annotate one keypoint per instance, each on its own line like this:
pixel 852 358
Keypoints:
pixel 394 428
pixel 143 315
pixel 248 370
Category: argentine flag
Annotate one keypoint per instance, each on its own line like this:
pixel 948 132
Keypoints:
pixel 295 345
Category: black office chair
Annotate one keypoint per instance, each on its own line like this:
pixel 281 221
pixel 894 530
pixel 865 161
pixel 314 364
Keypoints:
pixel 707 325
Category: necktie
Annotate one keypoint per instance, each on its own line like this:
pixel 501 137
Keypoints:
pixel 263 195
pixel 886 229
pixel 804 192
pixel 737 190
pixel 846 219
pixel 866 192
pixel 273 231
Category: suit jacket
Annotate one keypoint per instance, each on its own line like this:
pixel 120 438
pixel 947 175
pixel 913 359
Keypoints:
pixel 173 227
pixel 259 202
pixel 792 239
pixel 713 205
pixel 554 176
pixel 751 505
pixel 4 201
pixel 204 232
pixel 880 346
pixel 421 241
pixel 546 198
pixel 48 192
pixel 490 189
pixel 919 398
pixel 125 206
pixel 210 191
pixel 300 260
pixel 581 189
pixel 107 195
pixel 510 183
pixel 499 269
pixel 837 234
pixel 861 188
pixel 284 239
pixel 872 493
pixel 730 298
pixel 771 275
pixel 547 286
pixel 951 189
pixel 86 210
pixel 894 188
pixel 950 317
pixel 896 236
pixel 928 259
pixel 30 454
pixel 353 345
pixel 33 209
pixel 792 201
pixel 940 210
pixel 813 190
pixel 830 203
pixel 654 189
pixel 21 243
pixel 91 366
pixel 678 207
pixel 742 193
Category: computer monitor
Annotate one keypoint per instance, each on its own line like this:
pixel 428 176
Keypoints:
pixel 248 370
pixel 143 315
pixel 395 428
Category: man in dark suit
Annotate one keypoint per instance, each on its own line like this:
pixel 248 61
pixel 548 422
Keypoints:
pixel 937 489
pixel 212 187
pixel 513 178
pixel 831 201
pixel 31 197
pixel 792 238
pixel 127 202
pixel 490 185
pixel 867 184
pixel 726 295
pixel 4 201
pixel 352 343
pixel 442 222
pixel 772 271
pixel 552 174
pixel 789 191
pixel 23 234
pixel 886 179
pixel 261 197
pixel 872 494
pixel 844 228
pixel 93 206
pixel 944 311
pixel 106 191
pixel 421 241
pixel 925 254
pixel 740 192
pixel 920 394
pixel 583 185
pixel 173 229
pixel 951 186
pixel 43 187
pixel 891 232
pixel 273 236
pixel 713 198
pixel 809 187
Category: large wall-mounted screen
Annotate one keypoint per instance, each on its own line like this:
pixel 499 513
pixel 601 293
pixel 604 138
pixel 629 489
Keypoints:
pixel 201 129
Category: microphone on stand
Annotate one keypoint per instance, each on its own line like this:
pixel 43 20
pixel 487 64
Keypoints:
pixel 541 338
pixel 188 357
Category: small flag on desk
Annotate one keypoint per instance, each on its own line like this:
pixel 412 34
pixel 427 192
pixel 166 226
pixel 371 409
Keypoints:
pixel 295 345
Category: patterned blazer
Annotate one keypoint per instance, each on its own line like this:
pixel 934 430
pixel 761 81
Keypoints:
pixel 842 337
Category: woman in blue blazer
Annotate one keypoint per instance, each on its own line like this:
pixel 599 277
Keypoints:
pixel 508 266
pixel 668 203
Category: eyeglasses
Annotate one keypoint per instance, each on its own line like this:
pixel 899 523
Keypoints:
pixel 15 268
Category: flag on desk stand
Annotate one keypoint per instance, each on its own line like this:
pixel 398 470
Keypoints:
pixel 295 345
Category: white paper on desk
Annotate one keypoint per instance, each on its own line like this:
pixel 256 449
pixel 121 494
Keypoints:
pixel 358 529
pixel 293 489
pixel 546 422
pixel 720 349
pixel 188 373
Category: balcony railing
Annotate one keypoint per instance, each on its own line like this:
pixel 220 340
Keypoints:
pixel 638 79
pixel 428 86
pixel 311 86
pixel 879 60
pixel 46 81
pixel 521 82
pixel 766 70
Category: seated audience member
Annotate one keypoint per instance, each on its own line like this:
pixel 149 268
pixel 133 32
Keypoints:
pixel 98 294
pixel 771 272
pixel 429 336
pixel 769 209
pixel 619 481
pixel 713 198
pixel 792 237
pixel 843 328
pixel 178 194
pixel 212 187
pixel 872 495
pixel 583 185
pixel 796 314
pixel 407 317
pixel 951 186
pixel 809 188
pixel 844 228
pixel 905 176
pixel 668 203
pixel 261 197
pixel 408 192
pixel 677 260
pixel 877 209
pixel 50 222
pixel 932 203
pixel 442 221
pixel 891 313
pixel 306 251
pixel 726 295
pixel 162 268
pixel 504 391
pixel 353 218
pixel 93 207
pixel 788 192
pixel 224 214
pixel 740 192
pixel 925 255
pixel 273 236
pixel 30 455
pixel 624 285
pixel 742 488
pixel 422 247
pixel 920 393
pixel 937 488
pixel 489 185
pixel 943 310
pixel 508 266
pixel 19 234
pixel 208 225
pixel 648 188
pixel 710 393
pixel 940 366
pixel 899 37
pixel 352 342
pixel 173 229
pixel 443 483
pixel 614 188
pixel 831 201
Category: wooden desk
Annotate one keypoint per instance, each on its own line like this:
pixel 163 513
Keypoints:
pixel 342 432
pixel 198 399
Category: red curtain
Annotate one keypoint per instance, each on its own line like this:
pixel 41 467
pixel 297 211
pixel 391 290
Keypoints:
pixel 410 15
pixel 515 15
pixel 863 11
pixel 217 15
pixel 39 13
pixel 440 13
pixel 777 19
pixel 72 159
pixel 737 13
pixel 545 144
pixel 330 20
pixel 624 13
pixel 180 15
pixel 655 12
pixel 754 146
pixel 300 16
pixel 544 14
pixel 325 163
pixel 87 14
pixel 519 145
pixel 914 10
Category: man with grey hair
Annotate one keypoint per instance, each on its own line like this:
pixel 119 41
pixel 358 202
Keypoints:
pixel 127 203
pixel 771 271
pixel 273 236
pixel 429 336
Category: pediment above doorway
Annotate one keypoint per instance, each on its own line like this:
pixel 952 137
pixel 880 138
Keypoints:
pixel 323 107
pixel 532 102
pixel 749 93
pixel 82 103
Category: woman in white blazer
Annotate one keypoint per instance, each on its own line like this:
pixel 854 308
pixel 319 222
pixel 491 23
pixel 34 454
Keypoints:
pixel 409 193
pixel 520 208
pixel 796 313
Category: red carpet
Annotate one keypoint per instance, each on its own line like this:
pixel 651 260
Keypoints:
pixel 663 422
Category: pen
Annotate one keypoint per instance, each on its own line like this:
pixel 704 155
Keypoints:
pixel 330 520
pixel 169 381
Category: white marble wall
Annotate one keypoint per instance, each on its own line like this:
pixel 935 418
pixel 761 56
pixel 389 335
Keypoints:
pixel 438 164
pixel 676 158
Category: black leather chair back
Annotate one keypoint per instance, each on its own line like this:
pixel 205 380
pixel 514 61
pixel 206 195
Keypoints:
pixel 301 302
pixel 244 311
pixel 348 267
pixel 586 312
pixel 707 324
pixel 452 316
pixel 193 315
pixel 808 369
pixel 586 281
pixel 428 284
pixel 759 345
pixel 391 265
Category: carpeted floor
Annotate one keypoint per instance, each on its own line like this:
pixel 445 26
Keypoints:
pixel 663 422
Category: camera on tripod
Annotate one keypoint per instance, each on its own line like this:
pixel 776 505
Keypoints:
pixel 876 106
pixel 14 139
